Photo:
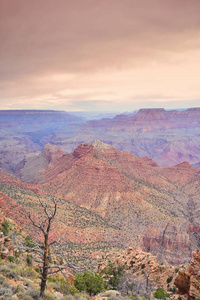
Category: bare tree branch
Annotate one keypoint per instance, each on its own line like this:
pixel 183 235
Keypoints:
pixel 36 225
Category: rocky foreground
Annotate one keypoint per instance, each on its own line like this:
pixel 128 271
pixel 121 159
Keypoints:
pixel 143 272
pixel 132 273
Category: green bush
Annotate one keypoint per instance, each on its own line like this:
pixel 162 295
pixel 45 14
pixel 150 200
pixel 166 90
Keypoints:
pixel 160 294
pixel 23 295
pixel 33 293
pixel 173 290
pixel 113 275
pixel 49 296
pixel 61 285
pixel 29 260
pixel 89 282
pixel 5 292
pixel 78 296
pixel 9 272
pixel 19 289
pixel 29 242
pixel 143 266
pixel 176 270
pixel 11 258
pixel 132 263
pixel 5 227
pixel 81 296
pixel 27 272
pixel 169 279
pixel 37 270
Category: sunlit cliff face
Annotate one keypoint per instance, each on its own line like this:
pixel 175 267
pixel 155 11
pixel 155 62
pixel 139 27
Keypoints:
pixel 99 55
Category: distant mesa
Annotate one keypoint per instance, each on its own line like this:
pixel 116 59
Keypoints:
pixel 151 114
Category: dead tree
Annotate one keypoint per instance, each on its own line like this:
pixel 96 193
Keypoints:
pixel 41 246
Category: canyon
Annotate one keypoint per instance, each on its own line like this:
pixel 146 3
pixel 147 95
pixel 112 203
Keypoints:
pixel 109 199
pixel 167 137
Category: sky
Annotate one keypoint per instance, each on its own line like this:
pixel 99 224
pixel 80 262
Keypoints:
pixel 99 55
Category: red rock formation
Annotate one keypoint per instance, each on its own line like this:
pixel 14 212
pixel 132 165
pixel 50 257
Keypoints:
pixel 188 279
pixel 151 207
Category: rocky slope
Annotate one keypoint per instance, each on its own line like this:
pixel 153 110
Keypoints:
pixel 154 208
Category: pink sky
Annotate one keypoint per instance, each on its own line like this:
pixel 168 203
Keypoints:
pixel 108 55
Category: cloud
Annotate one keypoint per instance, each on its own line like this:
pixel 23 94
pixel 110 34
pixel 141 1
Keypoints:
pixel 50 47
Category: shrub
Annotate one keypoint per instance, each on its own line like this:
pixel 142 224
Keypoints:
pixel 49 296
pixel 132 263
pixel 29 242
pixel 37 270
pixel 61 285
pixel 160 294
pixel 29 260
pixel 23 295
pixel 33 293
pixel 9 272
pixel 19 289
pixel 27 272
pixel 11 258
pixel 89 282
pixel 2 279
pixel 68 297
pixel 5 285
pixel 5 227
pixel 115 274
pixel 176 270
pixel 143 266
pixel 5 292
pixel 173 290
pixel 169 279
pixel 81 296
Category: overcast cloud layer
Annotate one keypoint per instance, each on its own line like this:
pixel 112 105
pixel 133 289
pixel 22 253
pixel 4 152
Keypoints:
pixel 99 54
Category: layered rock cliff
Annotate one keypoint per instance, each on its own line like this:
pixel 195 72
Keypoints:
pixel 152 207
